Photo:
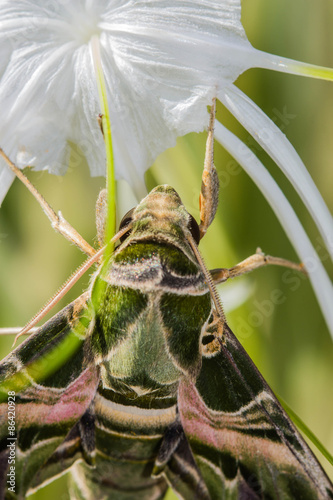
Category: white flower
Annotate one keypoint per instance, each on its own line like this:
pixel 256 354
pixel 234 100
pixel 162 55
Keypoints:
pixel 163 62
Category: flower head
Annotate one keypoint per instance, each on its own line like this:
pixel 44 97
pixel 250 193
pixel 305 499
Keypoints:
pixel 157 57
pixel 163 62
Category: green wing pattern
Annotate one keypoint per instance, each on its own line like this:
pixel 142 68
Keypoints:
pixel 51 415
pixel 243 442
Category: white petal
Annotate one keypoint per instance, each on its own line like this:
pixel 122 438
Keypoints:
pixel 5 54
pixel 158 65
pixel 286 215
pixel 163 63
pixel 272 140
pixel 126 199
pixel 284 65
pixel 6 179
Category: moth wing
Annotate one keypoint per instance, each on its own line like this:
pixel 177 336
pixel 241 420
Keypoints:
pixel 243 442
pixel 175 461
pixel 51 417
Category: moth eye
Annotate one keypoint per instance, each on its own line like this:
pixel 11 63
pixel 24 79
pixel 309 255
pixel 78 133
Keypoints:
pixel 194 228
pixel 124 222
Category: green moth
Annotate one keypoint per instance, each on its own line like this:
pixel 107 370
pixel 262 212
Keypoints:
pixel 158 392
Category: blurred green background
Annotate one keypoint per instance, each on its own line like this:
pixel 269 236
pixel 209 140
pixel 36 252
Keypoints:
pixel 291 345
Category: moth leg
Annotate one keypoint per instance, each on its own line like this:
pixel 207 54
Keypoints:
pixel 259 259
pixel 209 194
pixel 57 220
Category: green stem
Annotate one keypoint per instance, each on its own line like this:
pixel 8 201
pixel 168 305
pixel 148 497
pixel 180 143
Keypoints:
pixel 110 176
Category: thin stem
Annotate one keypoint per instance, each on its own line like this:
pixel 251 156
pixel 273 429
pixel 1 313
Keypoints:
pixel 106 126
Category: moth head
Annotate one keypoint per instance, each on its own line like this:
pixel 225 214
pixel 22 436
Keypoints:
pixel 160 214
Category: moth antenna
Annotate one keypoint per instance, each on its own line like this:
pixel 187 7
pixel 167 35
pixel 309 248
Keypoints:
pixel 57 221
pixel 60 293
pixel 209 279
pixel 68 285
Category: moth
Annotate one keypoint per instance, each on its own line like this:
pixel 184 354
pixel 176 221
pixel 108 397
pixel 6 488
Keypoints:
pixel 158 391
